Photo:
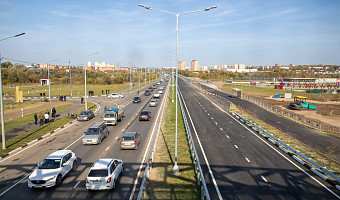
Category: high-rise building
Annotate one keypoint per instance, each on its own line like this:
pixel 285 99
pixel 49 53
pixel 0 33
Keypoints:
pixel 181 65
pixel 194 65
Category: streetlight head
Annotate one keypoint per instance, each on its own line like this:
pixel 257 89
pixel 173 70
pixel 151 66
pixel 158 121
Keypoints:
pixel 211 7
pixel 144 6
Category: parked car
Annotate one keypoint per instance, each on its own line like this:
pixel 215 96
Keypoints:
pixel 130 140
pixel 115 96
pixel 152 103
pixel 147 92
pixel 156 95
pixel 95 133
pixel 136 100
pixel 85 115
pixel 53 169
pixel 144 115
pixel 104 174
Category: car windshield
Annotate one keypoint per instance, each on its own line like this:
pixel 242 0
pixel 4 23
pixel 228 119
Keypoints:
pixel 50 164
pixel 98 173
pixel 109 115
pixel 127 138
pixel 84 113
pixel 92 131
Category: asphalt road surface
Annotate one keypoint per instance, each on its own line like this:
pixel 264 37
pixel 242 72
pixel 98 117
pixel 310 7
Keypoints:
pixel 239 164
pixel 18 166
pixel 325 143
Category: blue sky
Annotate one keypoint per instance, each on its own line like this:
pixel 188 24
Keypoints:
pixel 252 32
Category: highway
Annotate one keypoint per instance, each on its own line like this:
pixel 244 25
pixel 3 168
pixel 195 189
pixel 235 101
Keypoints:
pixel 237 163
pixel 18 166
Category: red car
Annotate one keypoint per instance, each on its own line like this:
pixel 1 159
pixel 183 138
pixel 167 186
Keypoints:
pixel 144 115
pixel 150 88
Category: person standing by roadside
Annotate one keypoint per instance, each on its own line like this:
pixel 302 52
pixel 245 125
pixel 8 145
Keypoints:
pixel 47 116
pixel 54 112
pixel 35 118
pixel 41 117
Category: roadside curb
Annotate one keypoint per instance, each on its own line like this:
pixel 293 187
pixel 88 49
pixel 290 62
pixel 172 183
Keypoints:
pixel 45 136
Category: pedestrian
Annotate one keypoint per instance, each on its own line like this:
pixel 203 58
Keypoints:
pixel 41 117
pixel 54 112
pixel 35 118
pixel 47 116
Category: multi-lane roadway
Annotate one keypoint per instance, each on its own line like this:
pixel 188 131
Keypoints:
pixel 237 163
pixel 16 168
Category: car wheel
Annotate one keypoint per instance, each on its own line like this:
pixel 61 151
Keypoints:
pixel 58 180
pixel 74 165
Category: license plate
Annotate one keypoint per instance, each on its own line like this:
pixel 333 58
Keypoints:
pixel 89 140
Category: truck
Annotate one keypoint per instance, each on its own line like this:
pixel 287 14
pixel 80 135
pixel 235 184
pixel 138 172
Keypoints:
pixel 113 115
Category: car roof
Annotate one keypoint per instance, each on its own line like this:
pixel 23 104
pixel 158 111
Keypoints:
pixel 58 154
pixel 102 163
pixel 129 134
pixel 154 100
pixel 96 125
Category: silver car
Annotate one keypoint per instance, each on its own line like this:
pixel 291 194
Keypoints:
pixel 96 133
pixel 153 103
pixel 130 140
pixel 85 115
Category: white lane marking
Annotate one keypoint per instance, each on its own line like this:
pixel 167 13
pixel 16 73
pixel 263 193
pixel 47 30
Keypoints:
pixel 123 129
pixel 247 160
pixel 216 123
pixel 265 180
pixel 116 138
pixel 205 157
pixel 4 192
pixel 227 136
pixel 221 129
pixel 74 187
pixel 208 114
pixel 107 148
pixel 276 150
pixel 146 151
pixel 73 142
pixel 236 146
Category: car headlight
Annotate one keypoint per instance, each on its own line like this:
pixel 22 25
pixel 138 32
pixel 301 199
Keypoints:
pixel 53 177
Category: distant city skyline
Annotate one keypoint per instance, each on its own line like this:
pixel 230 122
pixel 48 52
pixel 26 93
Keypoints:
pixel 251 32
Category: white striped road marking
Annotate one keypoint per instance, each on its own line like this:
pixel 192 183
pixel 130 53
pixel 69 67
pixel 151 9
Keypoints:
pixel 208 114
pixel 74 187
pixel 247 160
pixel 236 146
pixel 212 118
pixel 221 129
pixel 14 185
pixel 107 148
pixel 265 180
pixel 116 138
pixel 227 136
pixel 216 123
pixel 123 129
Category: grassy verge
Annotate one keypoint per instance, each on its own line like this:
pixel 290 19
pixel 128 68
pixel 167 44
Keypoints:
pixel 162 183
pixel 29 118
pixel 25 138
pixel 56 90
pixel 321 159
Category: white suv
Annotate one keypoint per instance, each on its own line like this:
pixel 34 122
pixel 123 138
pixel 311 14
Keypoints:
pixel 53 169
pixel 104 174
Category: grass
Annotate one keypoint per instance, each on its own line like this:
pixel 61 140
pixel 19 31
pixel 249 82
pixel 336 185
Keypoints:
pixel 56 90
pixel 271 92
pixel 163 184
pixel 321 159
pixel 25 138
pixel 29 117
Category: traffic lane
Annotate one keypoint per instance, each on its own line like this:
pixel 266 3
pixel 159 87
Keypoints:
pixel 257 163
pixel 131 159
pixel 27 160
pixel 310 137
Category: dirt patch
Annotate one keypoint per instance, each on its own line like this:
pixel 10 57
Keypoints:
pixel 326 112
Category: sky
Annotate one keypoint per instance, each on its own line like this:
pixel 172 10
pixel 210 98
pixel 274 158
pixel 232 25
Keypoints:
pixel 250 32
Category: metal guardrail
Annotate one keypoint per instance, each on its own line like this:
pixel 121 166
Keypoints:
pixel 148 167
pixel 292 152
pixel 281 145
pixel 198 170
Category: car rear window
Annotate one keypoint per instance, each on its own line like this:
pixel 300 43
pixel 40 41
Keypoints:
pixel 92 131
pixel 98 173
pixel 144 113
pixel 127 138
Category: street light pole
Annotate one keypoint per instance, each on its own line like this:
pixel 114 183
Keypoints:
pixel 175 169
pixel 70 76
pixel 85 77
pixel 1 98
pixel 49 80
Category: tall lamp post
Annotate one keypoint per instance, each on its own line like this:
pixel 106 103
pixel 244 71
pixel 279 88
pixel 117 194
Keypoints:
pixel 49 80
pixel 1 98
pixel 70 68
pixel 85 76
pixel 175 169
